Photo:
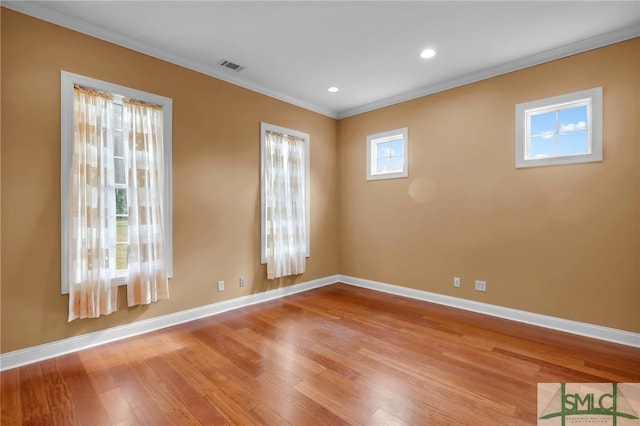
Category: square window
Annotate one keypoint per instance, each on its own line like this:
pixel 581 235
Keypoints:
pixel 387 155
pixel 563 129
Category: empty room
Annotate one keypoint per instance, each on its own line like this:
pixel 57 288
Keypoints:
pixel 320 213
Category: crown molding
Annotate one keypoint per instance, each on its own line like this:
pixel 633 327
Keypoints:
pixel 602 40
pixel 40 11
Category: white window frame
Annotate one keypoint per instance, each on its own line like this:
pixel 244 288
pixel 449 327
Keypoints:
pixel 67 81
pixel 121 273
pixel 592 98
pixel 264 128
pixel 375 139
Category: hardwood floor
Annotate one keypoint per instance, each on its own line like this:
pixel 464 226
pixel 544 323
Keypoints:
pixel 334 355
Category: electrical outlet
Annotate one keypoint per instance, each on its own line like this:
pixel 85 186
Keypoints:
pixel 481 285
pixel 242 281
pixel 456 281
pixel 220 285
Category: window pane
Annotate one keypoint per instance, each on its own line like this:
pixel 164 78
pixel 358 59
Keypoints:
pixel 383 149
pixel 542 147
pixel 397 147
pixel 117 116
pixel 571 123
pixel 107 254
pixel 573 119
pixel 122 230
pixel 574 143
pixel 383 165
pixel 118 149
pixel 396 164
pixel 119 171
pixel 121 201
pixel 543 124
pixel 121 256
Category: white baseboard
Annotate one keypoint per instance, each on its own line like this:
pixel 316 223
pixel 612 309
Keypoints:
pixel 574 327
pixel 37 353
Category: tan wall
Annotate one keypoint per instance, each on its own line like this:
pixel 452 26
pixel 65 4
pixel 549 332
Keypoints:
pixel 560 241
pixel 215 180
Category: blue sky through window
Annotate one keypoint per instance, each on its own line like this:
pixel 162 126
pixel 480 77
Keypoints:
pixel 387 155
pixel 559 132
pixel 390 156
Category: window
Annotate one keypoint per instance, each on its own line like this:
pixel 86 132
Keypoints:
pixel 127 149
pixel 285 226
pixel 387 155
pixel 120 189
pixel 560 130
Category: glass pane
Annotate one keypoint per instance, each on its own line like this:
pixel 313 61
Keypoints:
pixel 117 116
pixel 383 149
pixel 573 119
pixel 107 253
pixel 396 164
pixel 121 201
pixel 122 230
pixel 542 147
pixel 118 149
pixel 383 165
pixel 574 143
pixel 543 124
pixel 119 172
pixel 121 256
pixel 397 147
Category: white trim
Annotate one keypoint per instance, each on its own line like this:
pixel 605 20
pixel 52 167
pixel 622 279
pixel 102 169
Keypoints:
pixel 38 353
pixel 67 81
pixel 45 351
pixel 42 12
pixel 574 327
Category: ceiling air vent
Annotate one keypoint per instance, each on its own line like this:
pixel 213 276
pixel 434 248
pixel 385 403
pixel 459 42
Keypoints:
pixel 230 65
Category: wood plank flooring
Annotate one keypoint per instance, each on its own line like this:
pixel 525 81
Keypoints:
pixel 331 356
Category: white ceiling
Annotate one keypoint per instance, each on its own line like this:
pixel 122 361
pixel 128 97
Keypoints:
pixel 369 49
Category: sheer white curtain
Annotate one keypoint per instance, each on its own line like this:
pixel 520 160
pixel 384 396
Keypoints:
pixel 92 269
pixel 93 274
pixel 147 270
pixel 284 180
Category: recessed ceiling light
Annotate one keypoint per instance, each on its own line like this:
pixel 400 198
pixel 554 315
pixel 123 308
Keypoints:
pixel 333 89
pixel 428 53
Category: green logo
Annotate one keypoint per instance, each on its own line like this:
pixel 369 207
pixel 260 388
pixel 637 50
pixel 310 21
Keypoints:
pixel 565 404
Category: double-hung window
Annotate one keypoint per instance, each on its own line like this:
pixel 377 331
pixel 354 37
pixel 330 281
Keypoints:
pixel 284 163
pixel 563 129
pixel 116 195
pixel 120 191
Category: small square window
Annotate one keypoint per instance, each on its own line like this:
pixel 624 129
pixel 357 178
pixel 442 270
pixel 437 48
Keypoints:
pixel 563 129
pixel 387 155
